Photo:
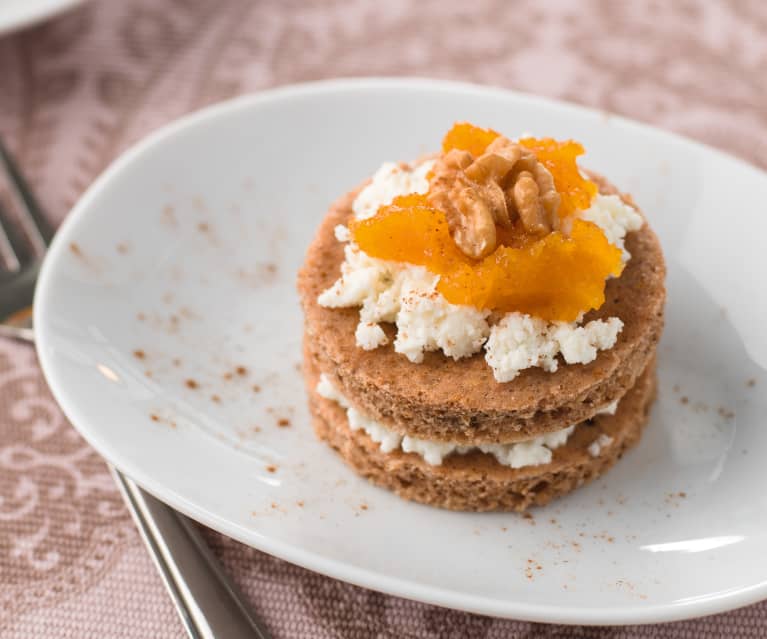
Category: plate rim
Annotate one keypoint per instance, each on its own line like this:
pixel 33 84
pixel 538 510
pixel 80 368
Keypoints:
pixel 32 15
pixel 630 613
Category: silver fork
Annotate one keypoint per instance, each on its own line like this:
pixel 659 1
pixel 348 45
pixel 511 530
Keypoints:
pixel 209 604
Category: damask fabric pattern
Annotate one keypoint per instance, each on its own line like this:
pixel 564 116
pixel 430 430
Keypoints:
pixel 78 90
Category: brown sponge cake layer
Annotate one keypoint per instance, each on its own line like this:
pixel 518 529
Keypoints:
pixel 461 400
pixel 476 481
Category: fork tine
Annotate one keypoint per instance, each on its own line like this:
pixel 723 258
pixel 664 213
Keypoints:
pixel 33 213
pixel 14 246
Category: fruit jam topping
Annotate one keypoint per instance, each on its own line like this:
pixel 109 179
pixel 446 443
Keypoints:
pixel 495 236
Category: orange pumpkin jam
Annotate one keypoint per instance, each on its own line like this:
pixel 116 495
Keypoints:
pixel 575 191
pixel 555 277
pixel 468 137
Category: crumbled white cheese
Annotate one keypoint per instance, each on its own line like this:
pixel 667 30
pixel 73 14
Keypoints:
pixel 342 233
pixel 517 342
pixel 326 389
pixel 579 344
pixel 532 452
pixel 610 409
pixel 595 447
pixel 406 295
pixel 433 452
pixel 370 336
pixel 520 341
pixel 388 182
pixel 528 453
pixel 362 278
pixel 615 218
pixel 427 322
pixel 387 439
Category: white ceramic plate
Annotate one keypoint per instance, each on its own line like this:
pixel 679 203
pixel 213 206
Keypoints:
pixel 17 14
pixel 186 249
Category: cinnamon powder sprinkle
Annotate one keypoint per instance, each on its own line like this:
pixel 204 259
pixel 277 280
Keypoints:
pixel 271 468
pixel 154 417
pixel 300 503
pixel 190 383
pixel 241 371
pixel 215 398
pixel 169 215
pixel 75 249
pixel 283 422
pixel 256 388
pixel 139 354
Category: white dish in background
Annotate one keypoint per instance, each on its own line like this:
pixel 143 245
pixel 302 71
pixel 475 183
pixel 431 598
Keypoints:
pixel 187 249
pixel 19 14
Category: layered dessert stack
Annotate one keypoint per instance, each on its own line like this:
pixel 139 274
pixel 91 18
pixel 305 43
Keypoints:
pixel 481 325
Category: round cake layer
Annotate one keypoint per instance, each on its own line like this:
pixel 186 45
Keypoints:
pixel 442 398
pixel 476 481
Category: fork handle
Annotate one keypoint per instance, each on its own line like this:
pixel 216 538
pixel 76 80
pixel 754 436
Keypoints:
pixel 209 605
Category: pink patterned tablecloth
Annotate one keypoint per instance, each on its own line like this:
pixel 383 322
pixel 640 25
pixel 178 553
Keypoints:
pixel 78 90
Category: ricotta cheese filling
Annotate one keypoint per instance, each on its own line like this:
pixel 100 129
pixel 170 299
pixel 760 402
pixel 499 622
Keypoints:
pixel 406 295
pixel 601 442
pixel 532 452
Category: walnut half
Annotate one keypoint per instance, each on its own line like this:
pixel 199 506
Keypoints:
pixel 504 184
